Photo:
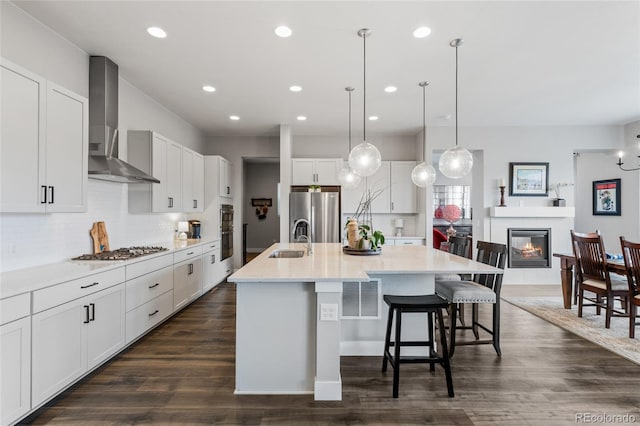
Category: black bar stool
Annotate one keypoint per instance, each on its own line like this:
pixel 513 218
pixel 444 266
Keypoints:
pixel 428 304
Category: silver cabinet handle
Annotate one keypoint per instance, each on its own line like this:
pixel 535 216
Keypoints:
pixel 195 204
pixel 190 268
pixel 213 258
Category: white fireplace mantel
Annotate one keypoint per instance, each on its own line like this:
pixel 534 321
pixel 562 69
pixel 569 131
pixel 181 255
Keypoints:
pixel 532 211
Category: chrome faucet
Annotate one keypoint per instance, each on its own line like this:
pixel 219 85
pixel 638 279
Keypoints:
pixel 295 226
pixel 308 243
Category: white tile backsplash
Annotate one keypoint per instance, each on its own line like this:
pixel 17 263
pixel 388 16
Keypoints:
pixel 35 239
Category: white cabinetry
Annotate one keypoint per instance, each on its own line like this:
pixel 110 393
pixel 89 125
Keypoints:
pixel 212 267
pixel 187 276
pixel 379 181
pixel 161 158
pixel 361 299
pixel 315 171
pixel 404 196
pixel 192 181
pixel 226 177
pixel 149 294
pixel 44 144
pixel 73 338
pixel 404 241
pixel 15 357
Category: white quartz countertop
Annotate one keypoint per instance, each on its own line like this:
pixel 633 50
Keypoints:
pixel 34 278
pixel 328 263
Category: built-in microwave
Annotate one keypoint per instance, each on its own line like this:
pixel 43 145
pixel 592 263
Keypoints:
pixel 226 230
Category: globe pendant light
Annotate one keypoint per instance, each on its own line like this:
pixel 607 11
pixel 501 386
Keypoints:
pixel 347 178
pixel 423 174
pixel 456 162
pixel 364 158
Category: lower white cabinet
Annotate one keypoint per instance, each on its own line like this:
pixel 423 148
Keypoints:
pixel 148 315
pixel 404 241
pixel 73 338
pixel 212 271
pixel 15 365
pixel 361 299
pixel 187 281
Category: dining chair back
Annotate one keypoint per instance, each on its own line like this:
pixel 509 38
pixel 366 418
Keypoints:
pixel 631 255
pixel 460 246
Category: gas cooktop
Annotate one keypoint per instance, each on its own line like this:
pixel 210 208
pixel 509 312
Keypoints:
pixel 122 253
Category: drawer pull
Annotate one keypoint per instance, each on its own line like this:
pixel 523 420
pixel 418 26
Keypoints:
pixel 190 253
pixel 213 258
pixel 154 286
pixel 89 285
pixel 93 311
pixel 86 314
pixel 153 313
pixel 190 268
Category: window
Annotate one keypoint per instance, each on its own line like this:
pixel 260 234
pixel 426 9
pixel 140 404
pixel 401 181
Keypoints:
pixel 459 195
pixel 361 299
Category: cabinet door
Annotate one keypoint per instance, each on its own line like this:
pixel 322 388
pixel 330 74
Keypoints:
pixel 380 181
pixel 187 180
pixel 194 279
pixel 225 178
pixel 181 284
pixel 351 196
pixel 303 171
pixel 404 196
pixel 159 200
pixel 15 364
pixel 174 176
pixel 327 170
pixel 58 356
pixel 22 140
pixel 66 154
pixel 212 269
pixel 106 329
pixel 198 182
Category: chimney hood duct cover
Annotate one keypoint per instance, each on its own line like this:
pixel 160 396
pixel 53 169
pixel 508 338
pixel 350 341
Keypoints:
pixel 104 163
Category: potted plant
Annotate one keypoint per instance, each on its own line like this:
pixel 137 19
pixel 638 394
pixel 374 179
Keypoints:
pixel 314 188
pixel 360 231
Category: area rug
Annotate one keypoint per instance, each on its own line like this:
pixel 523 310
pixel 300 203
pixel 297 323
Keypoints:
pixel 589 327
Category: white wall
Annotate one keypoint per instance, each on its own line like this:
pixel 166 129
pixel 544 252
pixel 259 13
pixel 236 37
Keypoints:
pixel 261 180
pixel 31 239
pixel 391 147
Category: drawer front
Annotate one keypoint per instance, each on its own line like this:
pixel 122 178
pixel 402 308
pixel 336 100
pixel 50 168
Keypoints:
pixel 416 242
pixel 189 253
pixel 148 315
pixel 71 290
pixel 214 245
pixel 142 289
pixel 15 307
pixel 147 266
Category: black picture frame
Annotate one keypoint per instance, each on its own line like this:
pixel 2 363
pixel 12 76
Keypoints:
pixel 606 197
pixel 528 179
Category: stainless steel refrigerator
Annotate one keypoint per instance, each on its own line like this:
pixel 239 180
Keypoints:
pixel 316 215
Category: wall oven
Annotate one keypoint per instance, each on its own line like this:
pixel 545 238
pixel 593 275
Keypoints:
pixel 226 230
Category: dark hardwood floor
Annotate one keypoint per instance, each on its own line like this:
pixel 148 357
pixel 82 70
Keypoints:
pixel 183 373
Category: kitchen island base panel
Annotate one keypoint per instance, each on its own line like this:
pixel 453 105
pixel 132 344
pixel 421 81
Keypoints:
pixel 275 338
pixel 328 384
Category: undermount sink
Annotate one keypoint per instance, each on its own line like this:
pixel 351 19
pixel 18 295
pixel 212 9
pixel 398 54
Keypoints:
pixel 287 253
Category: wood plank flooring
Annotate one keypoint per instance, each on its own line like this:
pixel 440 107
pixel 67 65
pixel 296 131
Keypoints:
pixel 183 373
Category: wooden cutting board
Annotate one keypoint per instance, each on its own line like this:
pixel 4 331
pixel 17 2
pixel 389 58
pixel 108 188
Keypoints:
pixel 100 237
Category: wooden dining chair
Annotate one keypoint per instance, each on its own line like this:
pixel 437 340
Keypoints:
pixel 631 255
pixel 592 275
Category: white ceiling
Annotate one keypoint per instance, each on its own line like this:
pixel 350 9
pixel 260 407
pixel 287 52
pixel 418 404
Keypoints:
pixel 522 64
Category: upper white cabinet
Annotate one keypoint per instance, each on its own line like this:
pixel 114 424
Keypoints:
pixel 398 193
pixel 315 171
pixel 44 144
pixel 161 158
pixel 218 177
pixel 225 171
pixel 192 181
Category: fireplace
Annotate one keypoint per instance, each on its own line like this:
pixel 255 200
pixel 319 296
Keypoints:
pixel 529 247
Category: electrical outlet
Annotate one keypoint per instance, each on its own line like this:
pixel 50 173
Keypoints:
pixel 328 312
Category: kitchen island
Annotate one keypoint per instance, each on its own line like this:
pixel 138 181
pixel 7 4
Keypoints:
pixel 295 317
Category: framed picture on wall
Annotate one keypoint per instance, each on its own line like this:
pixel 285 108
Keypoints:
pixel 528 179
pixel 606 198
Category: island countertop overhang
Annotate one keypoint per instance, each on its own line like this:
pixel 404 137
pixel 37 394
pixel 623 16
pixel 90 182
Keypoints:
pixel 328 263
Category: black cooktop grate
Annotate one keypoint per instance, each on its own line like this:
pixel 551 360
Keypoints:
pixel 122 253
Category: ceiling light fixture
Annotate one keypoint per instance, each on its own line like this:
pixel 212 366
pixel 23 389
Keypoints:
pixel 301 118
pixel 390 89
pixel 620 163
pixel 234 117
pixel 209 89
pixel 157 32
pixel 346 176
pixel 421 32
pixel 283 31
pixel 456 162
pixel 423 174
pixel 364 158
pixel 373 118
pixel 295 88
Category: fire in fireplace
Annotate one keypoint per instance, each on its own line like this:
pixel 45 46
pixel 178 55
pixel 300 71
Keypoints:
pixel 529 248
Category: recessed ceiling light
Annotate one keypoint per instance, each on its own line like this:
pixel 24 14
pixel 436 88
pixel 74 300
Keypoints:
pixel 283 31
pixel 234 117
pixel 421 32
pixel 209 89
pixel 156 32
pixel 446 117
pixel 373 117
pixel 390 89
pixel 295 88
pixel 301 118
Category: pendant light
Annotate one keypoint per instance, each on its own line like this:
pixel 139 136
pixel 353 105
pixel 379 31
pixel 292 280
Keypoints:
pixel 423 174
pixel 456 162
pixel 347 178
pixel 364 158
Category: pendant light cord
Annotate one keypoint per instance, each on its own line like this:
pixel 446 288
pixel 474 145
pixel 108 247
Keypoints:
pixel 349 120
pixel 456 95
pixel 424 123
pixel 364 90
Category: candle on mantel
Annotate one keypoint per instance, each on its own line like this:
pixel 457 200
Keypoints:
pixel 502 182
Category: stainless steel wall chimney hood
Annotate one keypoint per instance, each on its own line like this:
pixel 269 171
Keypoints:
pixel 104 163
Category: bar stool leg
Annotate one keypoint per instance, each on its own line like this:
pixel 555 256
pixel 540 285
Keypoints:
pixel 430 349
pixel 445 355
pixel 452 328
pixel 396 357
pixel 386 340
